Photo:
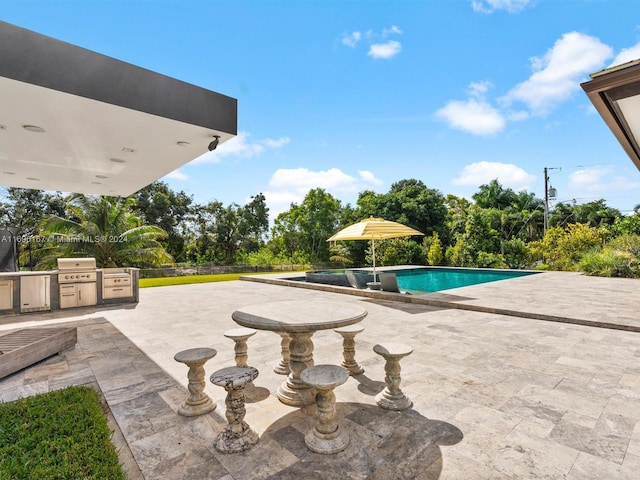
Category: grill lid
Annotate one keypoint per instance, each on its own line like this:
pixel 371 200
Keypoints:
pixel 76 264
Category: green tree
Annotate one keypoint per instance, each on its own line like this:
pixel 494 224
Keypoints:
pixel 254 223
pixel 596 213
pixel 399 251
pixel 286 236
pixel 457 209
pixel 158 205
pixel 306 227
pixel 201 245
pixel 24 209
pixel 629 225
pixel 227 233
pixel 494 195
pixel 411 203
pixel 479 243
pixel 104 228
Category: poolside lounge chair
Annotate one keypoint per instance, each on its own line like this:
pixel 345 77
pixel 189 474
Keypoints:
pixel 389 282
pixel 356 280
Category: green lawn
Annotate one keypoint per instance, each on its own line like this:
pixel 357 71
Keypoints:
pixel 57 435
pixel 188 279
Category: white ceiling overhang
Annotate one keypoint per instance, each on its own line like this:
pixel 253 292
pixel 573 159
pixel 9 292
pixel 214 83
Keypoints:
pixel 615 93
pixel 76 121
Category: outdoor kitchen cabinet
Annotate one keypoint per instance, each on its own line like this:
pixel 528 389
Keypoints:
pixel 78 295
pixel 6 294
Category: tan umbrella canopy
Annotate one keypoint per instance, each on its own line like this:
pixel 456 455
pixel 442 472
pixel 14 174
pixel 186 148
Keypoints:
pixel 374 229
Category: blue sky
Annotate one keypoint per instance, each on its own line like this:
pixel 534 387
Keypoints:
pixel 355 95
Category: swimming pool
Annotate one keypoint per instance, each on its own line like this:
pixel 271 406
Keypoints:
pixel 421 280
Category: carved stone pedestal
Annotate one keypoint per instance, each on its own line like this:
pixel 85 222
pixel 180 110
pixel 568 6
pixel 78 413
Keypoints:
pixel 349 348
pixel 240 337
pixel 238 435
pixel 326 437
pixel 198 402
pixel 392 398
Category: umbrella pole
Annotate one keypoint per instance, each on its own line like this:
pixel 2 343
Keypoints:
pixel 373 249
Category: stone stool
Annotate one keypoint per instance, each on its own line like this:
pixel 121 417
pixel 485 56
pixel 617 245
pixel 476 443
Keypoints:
pixel 392 397
pixel 282 368
pixel 326 437
pixel 349 348
pixel 240 337
pixel 198 402
pixel 237 436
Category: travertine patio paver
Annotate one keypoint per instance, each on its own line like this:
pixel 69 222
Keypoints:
pixel 495 397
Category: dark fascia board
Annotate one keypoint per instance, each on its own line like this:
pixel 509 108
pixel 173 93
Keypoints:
pixel 604 90
pixel 36 59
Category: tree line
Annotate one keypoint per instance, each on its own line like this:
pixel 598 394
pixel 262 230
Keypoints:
pixel 498 228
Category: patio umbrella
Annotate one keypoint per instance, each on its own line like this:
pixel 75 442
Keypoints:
pixel 374 229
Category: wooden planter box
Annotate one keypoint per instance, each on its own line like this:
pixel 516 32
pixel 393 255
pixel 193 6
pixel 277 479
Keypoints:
pixel 23 348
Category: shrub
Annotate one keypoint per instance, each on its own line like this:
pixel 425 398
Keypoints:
pixel 610 262
pixel 434 253
pixel 490 260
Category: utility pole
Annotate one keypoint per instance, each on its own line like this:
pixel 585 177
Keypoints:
pixel 549 192
pixel 546 200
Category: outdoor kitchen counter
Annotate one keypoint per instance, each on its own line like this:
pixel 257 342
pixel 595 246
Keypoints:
pixel 10 290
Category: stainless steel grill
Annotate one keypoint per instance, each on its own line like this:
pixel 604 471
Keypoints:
pixel 76 270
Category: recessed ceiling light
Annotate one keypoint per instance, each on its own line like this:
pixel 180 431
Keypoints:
pixel 3 127
pixel 117 160
pixel 9 173
pixel 33 178
pixel 183 143
pixel 34 128
pixel 101 176
pixel 96 183
pixel 128 150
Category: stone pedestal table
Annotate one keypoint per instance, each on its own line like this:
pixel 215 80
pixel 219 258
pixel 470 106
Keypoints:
pixel 299 319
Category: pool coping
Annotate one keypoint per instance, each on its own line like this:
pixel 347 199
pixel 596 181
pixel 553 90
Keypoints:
pixel 431 299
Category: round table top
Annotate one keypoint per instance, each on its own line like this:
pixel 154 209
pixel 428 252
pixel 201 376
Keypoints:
pixel 299 315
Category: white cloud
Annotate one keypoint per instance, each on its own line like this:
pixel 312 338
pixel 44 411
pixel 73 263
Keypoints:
pixel 291 185
pixel 558 73
pixel 279 202
pixel 276 143
pixel 379 46
pixel 384 50
pixel 241 147
pixel 368 177
pixel 392 30
pixel 592 182
pixel 479 89
pixel 589 178
pixel 473 116
pixel 177 175
pixel 627 55
pixel 509 175
pixel 351 39
pixel 302 180
pixel 490 6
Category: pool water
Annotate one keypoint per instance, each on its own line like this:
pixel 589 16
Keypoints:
pixel 422 280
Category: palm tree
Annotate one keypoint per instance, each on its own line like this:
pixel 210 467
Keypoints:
pixel 104 228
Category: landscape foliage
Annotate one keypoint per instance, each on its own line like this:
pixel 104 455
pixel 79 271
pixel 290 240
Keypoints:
pixel 496 228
